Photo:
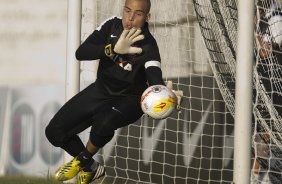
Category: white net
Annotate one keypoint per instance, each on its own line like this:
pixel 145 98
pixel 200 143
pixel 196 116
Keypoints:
pixel 195 146
pixel 268 101
pixel 218 22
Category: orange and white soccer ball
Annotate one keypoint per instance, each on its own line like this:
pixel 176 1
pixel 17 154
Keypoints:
pixel 158 101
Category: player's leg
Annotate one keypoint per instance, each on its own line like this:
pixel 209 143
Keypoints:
pixel 74 117
pixel 117 113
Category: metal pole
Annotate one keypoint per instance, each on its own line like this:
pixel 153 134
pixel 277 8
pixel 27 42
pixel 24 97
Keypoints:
pixel 243 95
pixel 73 41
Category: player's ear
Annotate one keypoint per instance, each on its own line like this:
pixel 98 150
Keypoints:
pixel 148 17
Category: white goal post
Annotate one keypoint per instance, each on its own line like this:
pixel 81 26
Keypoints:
pixel 243 95
pixel 72 84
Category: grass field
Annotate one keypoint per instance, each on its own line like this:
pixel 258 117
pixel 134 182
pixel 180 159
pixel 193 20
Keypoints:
pixel 26 180
pixel 29 180
pixel 32 180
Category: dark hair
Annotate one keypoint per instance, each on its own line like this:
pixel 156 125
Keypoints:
pixel 148 4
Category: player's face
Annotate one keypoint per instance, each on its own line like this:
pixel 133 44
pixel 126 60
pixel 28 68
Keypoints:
pixel 135 14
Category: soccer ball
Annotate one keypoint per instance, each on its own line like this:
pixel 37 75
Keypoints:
pixel 158 101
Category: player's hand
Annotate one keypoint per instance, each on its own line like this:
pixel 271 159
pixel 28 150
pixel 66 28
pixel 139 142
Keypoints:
pixel 126 39
pixel 178 93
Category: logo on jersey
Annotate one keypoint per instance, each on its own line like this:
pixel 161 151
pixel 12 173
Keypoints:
pixel 109 50
pixel 124 64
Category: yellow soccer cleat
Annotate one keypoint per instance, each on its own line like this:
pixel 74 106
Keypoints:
pixel 88 177
pixel 68 170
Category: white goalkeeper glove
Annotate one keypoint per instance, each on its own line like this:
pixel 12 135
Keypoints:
pixel 126 39
pixel 178 94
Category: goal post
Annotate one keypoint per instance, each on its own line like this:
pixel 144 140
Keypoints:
pixel 72 84
pixel 73 42
pixel 243 95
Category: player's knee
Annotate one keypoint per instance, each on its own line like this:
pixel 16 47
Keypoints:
pixel 54 136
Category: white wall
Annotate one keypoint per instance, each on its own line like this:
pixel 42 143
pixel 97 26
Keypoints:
pixel 32 74
pixel 32 41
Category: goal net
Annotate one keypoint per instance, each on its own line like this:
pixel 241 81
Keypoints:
pixel 194 146
pixel 197 42
pixel 218 22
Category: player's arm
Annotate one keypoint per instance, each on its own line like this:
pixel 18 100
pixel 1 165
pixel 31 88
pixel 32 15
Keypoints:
pixel 154 72
pixel 94 46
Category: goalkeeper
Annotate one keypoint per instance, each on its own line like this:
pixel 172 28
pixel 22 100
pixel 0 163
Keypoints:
pixel 129 59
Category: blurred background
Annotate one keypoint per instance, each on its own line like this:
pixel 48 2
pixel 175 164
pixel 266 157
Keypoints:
pixel 32 75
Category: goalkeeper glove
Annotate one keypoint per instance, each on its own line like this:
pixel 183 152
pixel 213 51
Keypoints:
pixel 178 94
pixel 126 39
pixel 123 45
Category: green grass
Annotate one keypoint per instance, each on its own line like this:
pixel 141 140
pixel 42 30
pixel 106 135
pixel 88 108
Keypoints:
pixel 33 180
pixel 26 180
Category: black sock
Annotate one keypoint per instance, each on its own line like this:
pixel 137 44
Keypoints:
pixel 91 167
pixel 85 158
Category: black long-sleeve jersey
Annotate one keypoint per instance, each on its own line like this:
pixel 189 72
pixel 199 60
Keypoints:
pixel 129 74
